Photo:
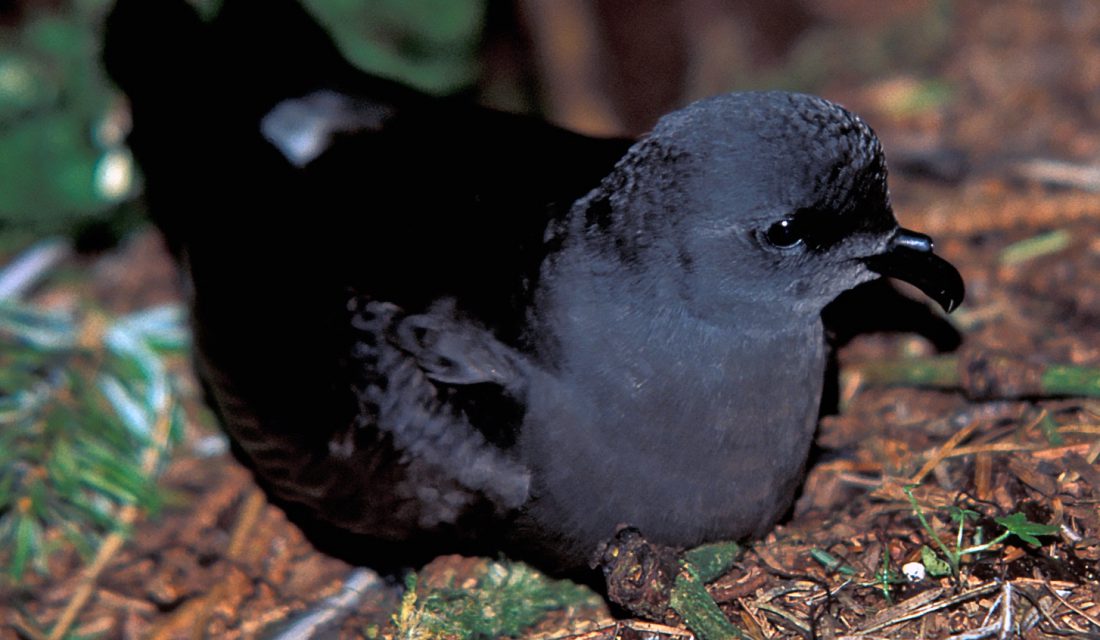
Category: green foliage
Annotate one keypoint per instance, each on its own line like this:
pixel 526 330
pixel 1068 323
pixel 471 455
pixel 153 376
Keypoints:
pixel 430 44
pixel 711 561
pixel 936 567
pixel 831 562
pixel 61 161
pixel 1018 525
pixel 960 515
pixel 911 42
pixel 1050 431
pixel 508 598
pixel 1035 247
pixel 886 577
pixel 695 606
pixel 1015 524
pixel 79 400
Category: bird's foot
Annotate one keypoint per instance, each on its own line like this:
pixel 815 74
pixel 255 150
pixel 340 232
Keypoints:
pixel 664 583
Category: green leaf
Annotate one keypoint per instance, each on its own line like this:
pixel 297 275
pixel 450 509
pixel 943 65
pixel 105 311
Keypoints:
pixel 7 479
pixel 430 44
pixel 1036 246
pixel 81 538
pixel 93 511
pixel 712 560
pixel 67 460
pixel 935 566
pixel 959 514
pixel 24 86
pixel 28 539
pixel 831 562
pixel 1050 431
pixel 63 468
pixel 1018 525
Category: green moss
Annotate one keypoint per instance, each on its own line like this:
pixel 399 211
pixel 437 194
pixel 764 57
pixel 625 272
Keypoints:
pixel 508 598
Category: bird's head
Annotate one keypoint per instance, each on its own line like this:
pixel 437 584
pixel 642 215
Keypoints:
pixel 773 201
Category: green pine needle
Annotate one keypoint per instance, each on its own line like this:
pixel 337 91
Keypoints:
pixel 79 396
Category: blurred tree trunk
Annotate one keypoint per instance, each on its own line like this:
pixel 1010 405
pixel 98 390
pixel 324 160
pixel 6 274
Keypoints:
pixel 614 66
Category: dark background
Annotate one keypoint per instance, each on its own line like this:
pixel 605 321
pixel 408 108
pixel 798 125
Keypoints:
pixel 989 112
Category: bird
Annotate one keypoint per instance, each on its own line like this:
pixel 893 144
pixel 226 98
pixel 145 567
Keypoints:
pixel 433 326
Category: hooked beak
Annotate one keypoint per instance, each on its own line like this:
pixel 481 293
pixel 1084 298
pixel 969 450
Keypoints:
pixel 908 257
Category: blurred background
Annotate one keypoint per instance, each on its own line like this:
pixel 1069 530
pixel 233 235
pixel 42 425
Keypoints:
pixel 1000 80
pixel 119 505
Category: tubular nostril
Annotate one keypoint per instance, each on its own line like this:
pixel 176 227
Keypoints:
pixel 904 238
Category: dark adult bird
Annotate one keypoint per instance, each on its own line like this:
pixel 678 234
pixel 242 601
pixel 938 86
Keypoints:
pixel 440 327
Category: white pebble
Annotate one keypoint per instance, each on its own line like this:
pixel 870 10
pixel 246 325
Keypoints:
pixel 914 571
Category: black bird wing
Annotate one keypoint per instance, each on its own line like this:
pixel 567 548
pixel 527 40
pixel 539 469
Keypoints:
pixel 309 273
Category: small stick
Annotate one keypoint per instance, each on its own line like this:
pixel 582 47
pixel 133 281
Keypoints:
pixel 957 438
pixel 114 541
pixel 962 597
pixel 1069 606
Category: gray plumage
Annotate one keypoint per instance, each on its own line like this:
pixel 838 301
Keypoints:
pixel 682 355
pixel 440 327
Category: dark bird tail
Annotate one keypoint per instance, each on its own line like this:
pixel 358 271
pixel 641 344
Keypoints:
pixel 150 47
pixel 261 50
pixel 156 53
pixel 200 89
pixel 395 198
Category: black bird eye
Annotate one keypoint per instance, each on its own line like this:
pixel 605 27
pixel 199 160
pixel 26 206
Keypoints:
pixel 784 234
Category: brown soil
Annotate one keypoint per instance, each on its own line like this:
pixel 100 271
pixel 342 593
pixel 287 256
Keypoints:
pixel 1025 100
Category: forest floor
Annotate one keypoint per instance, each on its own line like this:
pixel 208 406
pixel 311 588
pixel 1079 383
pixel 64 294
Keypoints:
pixel 1004 173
